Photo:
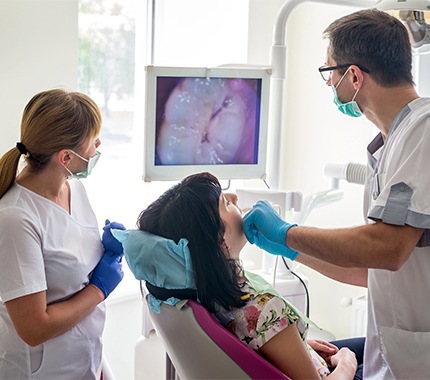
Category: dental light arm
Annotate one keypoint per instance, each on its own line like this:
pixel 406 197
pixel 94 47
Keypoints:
pixel 278 62
pixel 402 5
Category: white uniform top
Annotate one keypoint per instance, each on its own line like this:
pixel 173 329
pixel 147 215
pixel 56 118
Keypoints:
pixel 42 247
pixel 398 193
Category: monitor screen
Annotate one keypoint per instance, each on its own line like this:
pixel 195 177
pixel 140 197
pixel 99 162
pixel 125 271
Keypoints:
pixel 200 119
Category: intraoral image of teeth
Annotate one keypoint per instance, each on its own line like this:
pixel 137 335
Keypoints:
pixel 207 121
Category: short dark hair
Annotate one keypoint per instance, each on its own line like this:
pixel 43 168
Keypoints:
pixel 190 210
pixel 375 40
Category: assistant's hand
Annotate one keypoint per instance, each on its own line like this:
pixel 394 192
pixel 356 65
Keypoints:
pixel 109 241
pixel 108 273
pixel 264 227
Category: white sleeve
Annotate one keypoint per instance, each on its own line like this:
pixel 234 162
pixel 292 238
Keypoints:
pixel 21 261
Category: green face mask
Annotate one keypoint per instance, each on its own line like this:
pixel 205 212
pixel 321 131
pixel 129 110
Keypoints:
pixel 91 163
pixel 351 108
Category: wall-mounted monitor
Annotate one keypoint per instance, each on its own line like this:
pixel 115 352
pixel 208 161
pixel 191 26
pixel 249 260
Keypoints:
pixel 200 119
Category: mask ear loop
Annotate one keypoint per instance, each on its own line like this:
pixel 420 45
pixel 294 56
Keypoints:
pixel 67 156
pixel 356 92
pixel 76 154
pixel 341 79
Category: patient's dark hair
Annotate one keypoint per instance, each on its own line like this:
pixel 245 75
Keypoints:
pixel 190 210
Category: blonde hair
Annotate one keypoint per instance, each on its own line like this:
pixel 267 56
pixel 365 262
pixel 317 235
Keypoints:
pixel 52 120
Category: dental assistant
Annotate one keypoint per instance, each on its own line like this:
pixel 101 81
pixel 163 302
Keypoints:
pixel 54 270
pixel 368 66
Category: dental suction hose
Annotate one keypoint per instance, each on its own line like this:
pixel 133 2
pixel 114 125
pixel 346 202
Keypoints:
pixel 351 172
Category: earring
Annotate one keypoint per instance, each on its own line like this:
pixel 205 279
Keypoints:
pixel 224 245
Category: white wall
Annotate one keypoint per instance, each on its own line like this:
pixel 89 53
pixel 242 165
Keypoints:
pixel 39 50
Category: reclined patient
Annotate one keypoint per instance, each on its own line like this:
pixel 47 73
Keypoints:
pixel 190 239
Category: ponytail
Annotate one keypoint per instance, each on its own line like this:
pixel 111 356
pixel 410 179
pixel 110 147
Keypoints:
pixel 8 169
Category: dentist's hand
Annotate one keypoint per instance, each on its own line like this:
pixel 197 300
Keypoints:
pixel 108 273
pixel 265 228
pixel 109 241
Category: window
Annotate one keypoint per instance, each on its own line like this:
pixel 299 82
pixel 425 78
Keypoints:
pixel 112 56
pixel 106 73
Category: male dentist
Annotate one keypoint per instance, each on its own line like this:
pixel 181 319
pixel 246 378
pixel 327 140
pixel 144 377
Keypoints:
pixel 369 61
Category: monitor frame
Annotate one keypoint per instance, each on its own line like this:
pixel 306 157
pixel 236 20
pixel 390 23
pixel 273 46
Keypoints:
pixel 153 172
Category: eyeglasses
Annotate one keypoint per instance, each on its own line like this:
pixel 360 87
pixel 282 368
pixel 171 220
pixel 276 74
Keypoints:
pixel 326 71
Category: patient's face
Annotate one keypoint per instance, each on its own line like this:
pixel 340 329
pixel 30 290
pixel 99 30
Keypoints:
pixel 231 215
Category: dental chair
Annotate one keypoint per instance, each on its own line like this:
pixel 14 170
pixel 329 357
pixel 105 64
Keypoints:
pixel 199 347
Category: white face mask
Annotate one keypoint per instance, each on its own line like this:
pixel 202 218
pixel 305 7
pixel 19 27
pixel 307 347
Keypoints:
pixel 91 163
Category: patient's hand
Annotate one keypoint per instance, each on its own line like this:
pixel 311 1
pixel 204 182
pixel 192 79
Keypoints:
pixel 323 348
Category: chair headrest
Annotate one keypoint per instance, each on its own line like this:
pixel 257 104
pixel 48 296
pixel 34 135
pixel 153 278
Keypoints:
pixel 159 261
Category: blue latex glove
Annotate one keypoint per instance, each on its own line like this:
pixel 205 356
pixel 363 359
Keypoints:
pixel 265 228
pixel 108 273
pixel 109 241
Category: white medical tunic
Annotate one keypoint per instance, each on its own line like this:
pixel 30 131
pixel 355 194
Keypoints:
pixel 43 247
pixel 398 193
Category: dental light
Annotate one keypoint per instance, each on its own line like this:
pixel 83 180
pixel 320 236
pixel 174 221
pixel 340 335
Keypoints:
pixel 418 29
pixel 414 14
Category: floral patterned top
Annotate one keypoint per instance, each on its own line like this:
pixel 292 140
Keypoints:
pixel 264 316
